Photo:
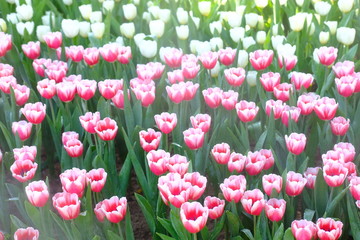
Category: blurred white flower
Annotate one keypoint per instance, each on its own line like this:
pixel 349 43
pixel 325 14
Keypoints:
pixel 24 12
pixel 261 3
pixel 157 28
pixel 202 47
pixel 237 34
pixel 68 2
pixel 275 29
pixel 49 16
pixel 164 15
pixel 138 38
pixel 148 48
pixel 146 16
pixel 214 72
pixel 182 16
pixel 154 11
pixel 251 19
pixel 243 58
pixel 127 29
pixel 345 5
pixel 332 26
pixel 3 26
pixel 345 35
pixel 315 55
pixel 260 24
pixel 251 78
pixel 11 1
pixel 260 37
pixel 215 26
pixel 136 2
pixel 98 29
pixel 322 8
pixel 248 41
pixel 324 37
pixel 84 28
pixel 297 22
pixel 205 8
pixel 286 49
pixel 41 30
pixel 130 11
pixel 192 45
pixel 299 2
pixel 108 6
pixel 182 32
pixel 281 2
pixel 70 27
pixel 96 16
pixel 120 41
pixel 85 11
pixel 12 17
pixel 21 26
pixel 277 40
pixel 234 19
pixel 240 9
pixel 216 44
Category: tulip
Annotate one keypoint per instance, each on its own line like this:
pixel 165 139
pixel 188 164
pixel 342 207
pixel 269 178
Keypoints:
pixel 295 143
pixel 175 76
pixel 324 37
pixel 342 69
pixel 182 32
pixel 177 164
pixel 157 161
pixel 148 48
pixel 124 55
pixel 89 121
pixel 70 27
pixel 85 11
pixel 221 153
pixel 270 80
pixel 176 92
pixel 198 184
pixel 149 140
pixel 193 216
pixel 130 11
pixel 345 6
pixel 326 55
pixel 301 80
pixel 189 69
pixel 145 93
pixel 287 60
pixel 251 19
pixel 31 49
pixel 66 91
pixel 328 228
pixel 270 182
pixel 212 97
pixel 91 56
pixel 334 174
pixel 194 138
pixel 202 121
pixel 39 65
pixel 34 112
pixel 261 59
pixel 173 57
pixel 255 163
pixel 109 52
pixel 322 8
pixel 37 193
pixel 46 88
pixel 22 128
pixel 290 113
pixel 235 76
pixel 67 205
pixel 297 22
pixel 204 8
pixel 216 43
pixel 246 111
pixel 237 34
pixel 114 208
pixel 339 126
pixel 25 153
pixel 227 56
pixel 303 229
pixel 25 233
pixel 306 102
pixel 166 122
pixel 24 12
pixel 157 28
pixel 229 99
pixel 310 175
pixel 295 183
pixel 28 26
pixel 86 89
pixel 209 59
pixel 325 108
pixel 347 150
pixel 100 215
pixel 261 3
pixel 23 170
pixel 73 181
pixel 282 91
pixel 269 158
pixel 275 209
pixel 260 37
pixel 6 70
pixel 346 85
pixel 277 107
pixel 253 202
pixel 97 179
pixel 215 205
pixel 106 129
pixel 236 162
pixel 109 87
pixel 174 189
pixel 53 39
pixel 74 148
pixel 233 188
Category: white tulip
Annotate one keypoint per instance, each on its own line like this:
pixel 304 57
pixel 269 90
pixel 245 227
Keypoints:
pixel 281 2
pixel 299 2
pixel 68 2
pixel 237 34
pixel 11 1
pixel 47 18
pixel 324 37
pixel 261 3
pixel 215 71
pixel 240 9
pixel 297 22
pixel 120 41
pixel 261 24
pixel 182 16
pixel 315 55
pixel 196 21
pixel 275 29
pixel 182 32
pixel 21 26
pixel 98 29
pixel 163 51
pixel 322 8
pixel 332 25
pixel 193 44
pixel 251 78
pixel 148 48
pixel 345 6
pixel 24 12
pixel 70 27
pixel 215 26
pixel 164 15
pixel 108 6
pixel 127 29
pixel 248 41
pixel 216 44
pixel 157 28
pixel 85 11
pixel 203 47
pixel 243 58
pixel 286 50
pixel 12 17
pixel 251 19
pixel 260 37
pixel 154 11
pixel 146 16
pixel 136 2
pixel 130 11
pixel 277 40
pixel 85 28
pixel 96 16
pixel 345 35
pixel 3 26
pixel 234 19
pixel 138 38
pixel 205 8
pixel 41 30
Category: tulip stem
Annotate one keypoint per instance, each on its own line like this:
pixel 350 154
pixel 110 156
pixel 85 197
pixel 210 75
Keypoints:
pixel 120 231
pixel 195 236
pixel 254 224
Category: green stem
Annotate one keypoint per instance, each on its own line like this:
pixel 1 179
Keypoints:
pixel 254 224
pixel 195 236
pixel 120 230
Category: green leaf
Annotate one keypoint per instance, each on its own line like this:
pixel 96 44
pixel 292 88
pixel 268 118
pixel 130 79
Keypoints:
pixel 288 235
pixel 218 228
pixel 309 214
pixel 167 225
pixel 61 224
pixel 96 238
pixel 128 226
pixel 164 237
pixel 248 233
pixel 147 211
pixel 17 222
pixel 177 224
pixel 124 176
pixel 112 236
pixel 335 202
pixel 279 233
pixel 233 223
pixel 321 194
pixel 260 143
pixel 261 227
pixel 34 214
pixel 354 219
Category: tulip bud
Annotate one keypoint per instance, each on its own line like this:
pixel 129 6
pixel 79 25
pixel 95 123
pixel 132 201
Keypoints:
pixel 3 26
pixel 251 19
pixel 324 37
pixel 251 78
pixel 21 26
pixel 261 3
pixel 261 23
pixel 182 32
pixel 216 44
pixel 130 11
pixel 95 16
pixel 154 11
pixel 260 37
pixel 322 8
pixel 196 21
pixel 164 15
pixel 70 27
pixel 85 11
pixel 205 8
pixel 332 25
pixel 182 16
pixel 68 2
pixel 275 29
pixel 345 5
pixel 237 33
pixel 243 59
pixel 299 2
pixel 127 29
pixel 345 35
pixel 247 42
pixel 12 17
pixel 98 29
pixel 84 28
pixel 157 28
pixel 47 18
pixel 297 22
pixel 138 38
pixel 148 48
pixel 108 6
pixel 24 12
pixel 215 71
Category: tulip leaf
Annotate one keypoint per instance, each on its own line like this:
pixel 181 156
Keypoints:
pixel 112 236
pixel 178 225
pixel 33 213
pixel 248 233
pixel 61 224
pixel 309 214
pixel 233 223
pixel 147 211
pixel 75 232
pixel 353 217
pixel 6 133
pixel 96 237
pixel 128 226
pixel 167 225
pixel 205 233
pixel 279 232
pixel 335 202
pixel 321 194
pixel 164 237
pixel 261 227
pixel 288 235
pixel 124 176
pixel 17 222
pixel 218 227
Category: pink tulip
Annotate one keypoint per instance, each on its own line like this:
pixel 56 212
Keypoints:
pixel 333 156
pixel 65 91
pixel 114 208
pixel 91 56
pixel 202 121
pixel 351 167
pixel 227 56
pixel 97 179
pixel 235 76
pixel 175 76
pixel 221 153
pixel 255 163
pixel 99 213
pixel 339 126
pixel 303 229
pixel 67 205
pixel 31 49
pixel 75 53
pixel 6 82
pixel 74 148
pixel 39 65
pixel 346 85
pixel 26 234
pixel 53 39
pixel 119 100
pixel 106 129
pixel 327 55
pixel 157 68
pixel 277 107
pixel 145 93
pixel 325 108
pixel 270 80
pixel 46 88
pixel 269 158
pixel 310 176
pixel 124 54
pixel 300 79
pixel 198 184
pixel 6 43
pixel 246 111
pixel 56 71
pixel 74 79
pixel 173 57
pixel 342 69
pixel 215 205
pixel 190 69
pixel 229 99
pixel 209 59
pixel 282 91
pixel 177 164
pixel 347 150
pixel 194 138
pixel 6 70
pixel 295 143
pixel 275 209
pixel 261 59
pixel 288 60
pixel 355 187
pixel 157 161
pixel 253 202
pixel 190 90
pixel 212 97
pixel 335 174
pixel 74 181
pixel 69 135
pixel 25 153
pixel 109 87
pixel 37 193
pixel 145 72
pixel 292 113
pixel 270 182
pixel 295 183
pixel 194 216
pixel 328 228
pixel 109 52
pixel 233 188
pixel 176 92
pixel 23 170
pixel 236 162
pixel 174 189
pixel 306 102
pixel 22 129
pixel 150 139
pixel 86 89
